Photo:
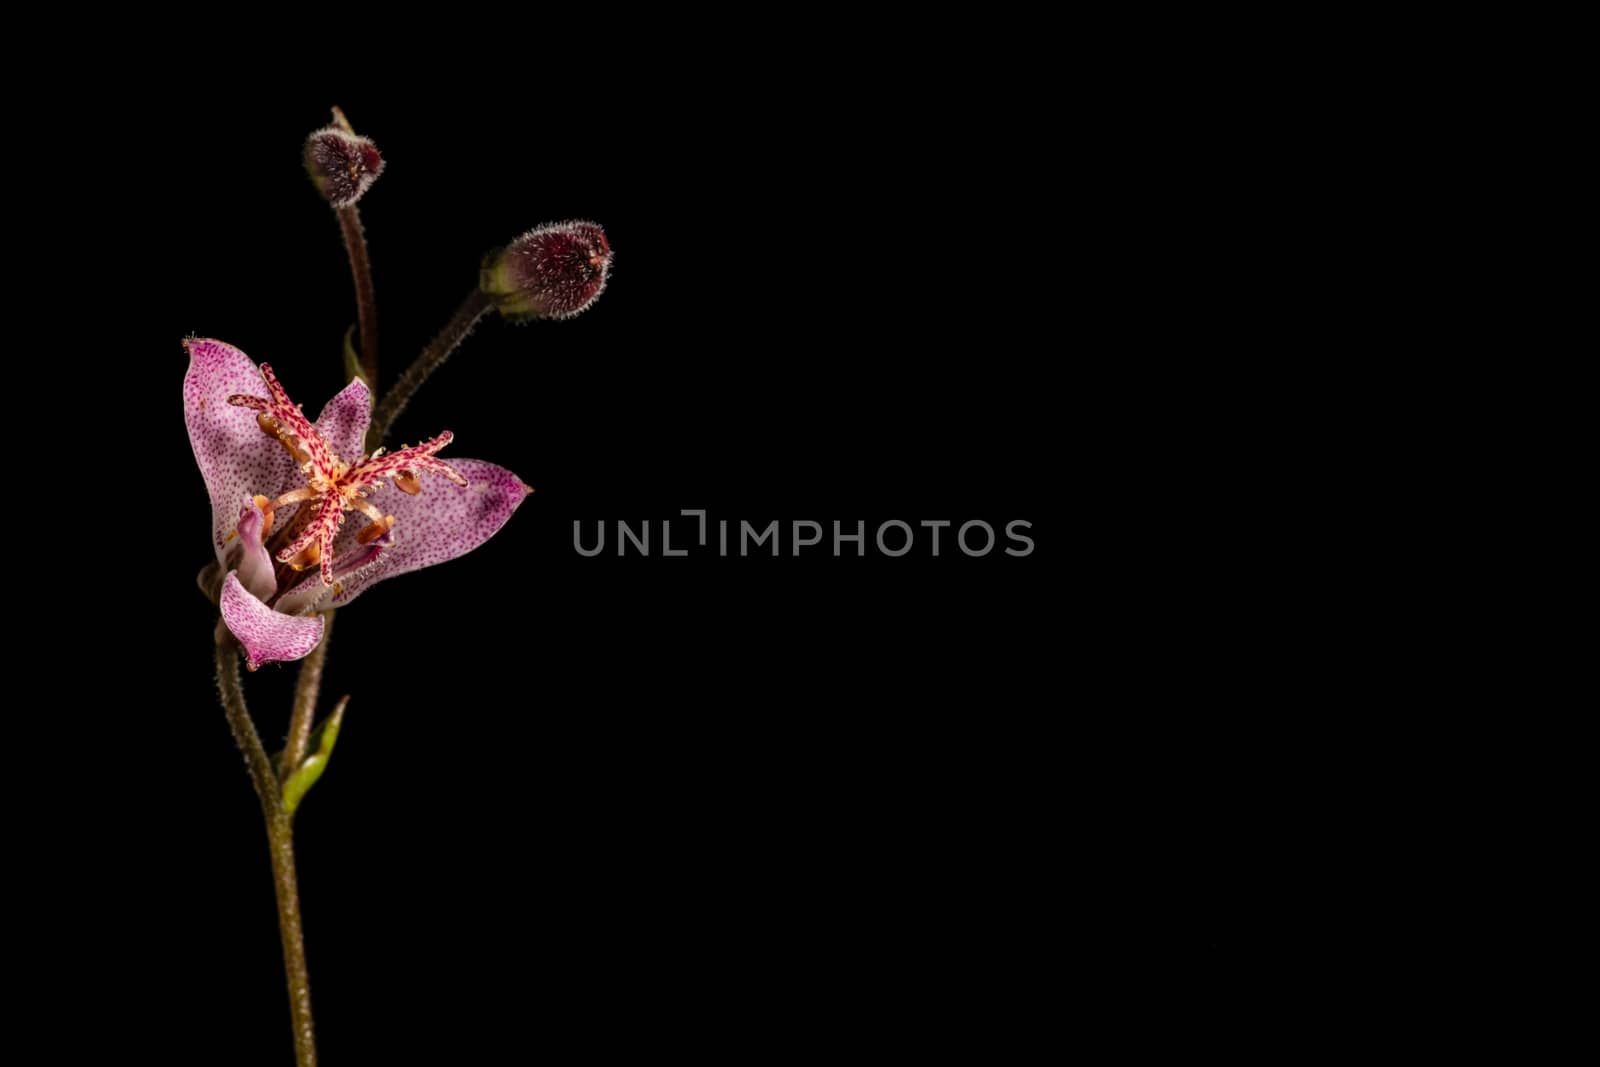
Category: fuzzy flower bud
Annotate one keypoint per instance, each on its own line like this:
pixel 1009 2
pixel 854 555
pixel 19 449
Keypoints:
pixel 551 272
pixel 342 164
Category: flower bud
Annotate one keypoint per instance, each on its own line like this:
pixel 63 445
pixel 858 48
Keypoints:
pixel 551 272
pixel 342 164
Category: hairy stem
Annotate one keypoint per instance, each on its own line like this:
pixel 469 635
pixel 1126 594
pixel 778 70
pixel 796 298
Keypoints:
pixel 256 761
pixel 355 243
pixel 306 691
pixel 399 395
pixel 280 838
pixel 280 841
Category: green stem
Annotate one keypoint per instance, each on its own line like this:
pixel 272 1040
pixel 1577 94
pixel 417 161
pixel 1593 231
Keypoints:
pixel 355 243
pixel 305 703
pixel 256 761
pixel 400 393
pixel 280 841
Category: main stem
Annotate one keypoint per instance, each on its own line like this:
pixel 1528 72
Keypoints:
pixel 265 778
pixel 355 243
pixel 280 841
pixel 399 395
pixel 305 703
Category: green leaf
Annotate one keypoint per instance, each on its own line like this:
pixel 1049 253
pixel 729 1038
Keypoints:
pixel 352 359
pixel 311 768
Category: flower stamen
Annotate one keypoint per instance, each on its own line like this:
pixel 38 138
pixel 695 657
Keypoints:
pixel 369 534
pixel 310 557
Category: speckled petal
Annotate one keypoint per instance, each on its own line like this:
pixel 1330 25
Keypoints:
pixel 267 636
pixel 442 522
pixel 236 459
pixel 250 556
pixel 311 595
pixel 343 422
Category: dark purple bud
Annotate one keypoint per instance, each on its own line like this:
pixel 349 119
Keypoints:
pixel 342 164
pixel 551 272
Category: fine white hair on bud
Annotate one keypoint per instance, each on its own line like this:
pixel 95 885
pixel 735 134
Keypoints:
pixel 554 271
pixel 342 164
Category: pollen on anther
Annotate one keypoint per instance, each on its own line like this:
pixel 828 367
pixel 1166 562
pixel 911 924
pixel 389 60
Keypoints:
pixel 376 530
pixel 307 558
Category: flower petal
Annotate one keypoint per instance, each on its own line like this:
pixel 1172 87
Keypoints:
pixel 250 556
pixel 442 522
pixel 236 458
pixel 343 422
pixel 267 636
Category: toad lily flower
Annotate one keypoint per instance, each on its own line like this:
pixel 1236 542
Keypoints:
pixel 281 487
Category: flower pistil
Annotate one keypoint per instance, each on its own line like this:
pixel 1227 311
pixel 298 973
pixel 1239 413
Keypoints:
pixel 334 486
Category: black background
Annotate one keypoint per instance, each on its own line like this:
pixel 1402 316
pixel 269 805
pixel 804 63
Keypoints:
pixel 707 803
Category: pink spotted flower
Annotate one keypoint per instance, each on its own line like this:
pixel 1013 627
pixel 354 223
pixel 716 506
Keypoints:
pixel 301 519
